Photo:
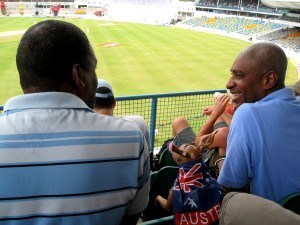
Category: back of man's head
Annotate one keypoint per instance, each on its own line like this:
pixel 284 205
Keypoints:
pixel 47 53
pixel 104 98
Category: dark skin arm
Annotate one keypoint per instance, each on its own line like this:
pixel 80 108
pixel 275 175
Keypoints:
pixel 167 204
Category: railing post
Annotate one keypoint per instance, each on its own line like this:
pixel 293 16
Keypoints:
pixel 153 121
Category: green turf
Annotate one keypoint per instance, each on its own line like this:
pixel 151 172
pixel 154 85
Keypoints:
pixel 150 59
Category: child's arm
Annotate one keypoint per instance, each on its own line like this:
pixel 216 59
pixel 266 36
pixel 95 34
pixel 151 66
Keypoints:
pixel 167 204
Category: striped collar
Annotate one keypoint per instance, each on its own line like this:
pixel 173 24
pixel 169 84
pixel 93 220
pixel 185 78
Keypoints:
pixel 49 100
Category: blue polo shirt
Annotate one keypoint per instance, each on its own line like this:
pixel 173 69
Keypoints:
pixel 263 147
pixel 61 163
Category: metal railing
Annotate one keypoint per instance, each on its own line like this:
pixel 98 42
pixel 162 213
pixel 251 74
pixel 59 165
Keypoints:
pixel 159 110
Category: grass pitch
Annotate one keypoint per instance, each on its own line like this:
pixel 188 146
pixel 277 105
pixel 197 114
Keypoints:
pixel 139 59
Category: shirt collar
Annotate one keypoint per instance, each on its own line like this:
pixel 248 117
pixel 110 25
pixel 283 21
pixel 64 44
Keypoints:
pixel 50 100
pixel 284 93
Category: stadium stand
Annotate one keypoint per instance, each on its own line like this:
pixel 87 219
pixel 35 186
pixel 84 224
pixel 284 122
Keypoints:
pixel 283 34
pixel 246 5
pixel 286 37
pixel 238 25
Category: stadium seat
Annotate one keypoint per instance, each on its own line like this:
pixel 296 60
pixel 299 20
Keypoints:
pixel 164 180
pixel 166 159
pixel 291 202
pixel 161 183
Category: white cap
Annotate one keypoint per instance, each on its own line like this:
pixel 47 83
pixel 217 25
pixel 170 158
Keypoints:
pixel 104 83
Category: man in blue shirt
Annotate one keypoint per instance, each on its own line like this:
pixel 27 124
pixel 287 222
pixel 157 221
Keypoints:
pixel 60 162
pixel 264 137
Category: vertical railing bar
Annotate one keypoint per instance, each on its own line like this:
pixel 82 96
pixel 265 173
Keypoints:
pixel 153 122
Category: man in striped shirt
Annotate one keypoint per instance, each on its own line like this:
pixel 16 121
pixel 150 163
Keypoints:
pixel 61 163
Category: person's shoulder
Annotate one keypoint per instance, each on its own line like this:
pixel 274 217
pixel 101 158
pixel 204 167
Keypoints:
pixel 135 118
pixel 243 110
pixel 139 120
pixel 245 115
pixel 114 121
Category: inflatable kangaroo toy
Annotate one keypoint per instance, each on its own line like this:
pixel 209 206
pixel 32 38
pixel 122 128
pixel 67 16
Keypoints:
pixel 196 197
pixel 189 152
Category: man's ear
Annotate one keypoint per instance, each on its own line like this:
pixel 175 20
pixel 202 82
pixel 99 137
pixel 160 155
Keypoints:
pixel 77 76
pixel 115 103
pixel 270 80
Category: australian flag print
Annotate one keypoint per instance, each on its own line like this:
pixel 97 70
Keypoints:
pixel 197 197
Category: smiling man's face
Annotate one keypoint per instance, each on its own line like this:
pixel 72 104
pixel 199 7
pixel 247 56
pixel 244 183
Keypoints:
pixel 247 79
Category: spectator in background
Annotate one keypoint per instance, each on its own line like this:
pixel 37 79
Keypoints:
pixel 105 104
pixel 220 116
pixel 219 119
pixel 264 136
pixel 61 163
pixel 105 101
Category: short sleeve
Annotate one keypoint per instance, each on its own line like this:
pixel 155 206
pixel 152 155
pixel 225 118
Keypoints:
pixel 237 169
pixel 140 201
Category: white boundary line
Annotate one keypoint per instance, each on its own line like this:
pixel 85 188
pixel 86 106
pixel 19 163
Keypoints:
pixel 10 33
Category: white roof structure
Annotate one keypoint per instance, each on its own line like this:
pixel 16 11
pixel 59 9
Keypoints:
pixel 290 4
